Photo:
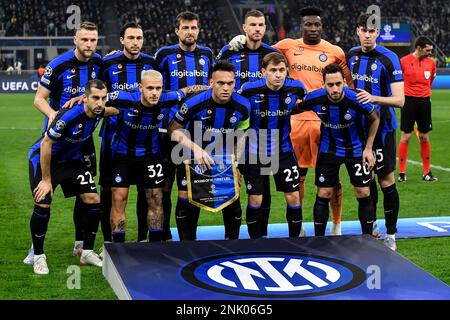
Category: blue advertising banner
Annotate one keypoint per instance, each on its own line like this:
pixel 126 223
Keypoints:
pixel 325 268
pixel 18 83
pixel 395 33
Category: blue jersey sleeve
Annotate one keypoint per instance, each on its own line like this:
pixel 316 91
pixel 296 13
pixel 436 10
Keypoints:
pixel 394 69
pixel 49 78
pixel 59 126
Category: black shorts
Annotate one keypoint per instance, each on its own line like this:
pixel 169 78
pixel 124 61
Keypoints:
pixel 327 171
pixel 148 173
pixel 105 163
pixel 384 148
pixel 287 178
pixel 169 168
pixel 181 177
pixel 87 151
pixel 416 110
pixel 74 177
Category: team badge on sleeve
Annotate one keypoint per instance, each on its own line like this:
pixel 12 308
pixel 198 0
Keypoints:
pixel 60 124
pixel 114 95
pixel 183 108
pixel 48 71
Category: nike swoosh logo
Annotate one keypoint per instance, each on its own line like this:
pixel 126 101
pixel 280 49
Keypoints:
pixel 93 188
pixel 175 62
pixel 159 181
pixel 117 72
pixel 41 236
pixel 132 114
pixel 251 222
pixel 259 101
pixel 378 168
pixel 321 113
pixel 204 118
pixel 354 63
pixel 70 77
pixel 366 181
pixel 240 60
pixel 76 132
pixel 295 186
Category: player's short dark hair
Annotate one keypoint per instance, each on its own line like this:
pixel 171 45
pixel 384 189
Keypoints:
pixel 362 20
pixel 422 42
pixel 87 25
pixel 186 15
pixel 310 11
pixel 223 65
pixel 132 25
pixel 332 68
pixel 253 13
pixel 94 83
pixel 275 58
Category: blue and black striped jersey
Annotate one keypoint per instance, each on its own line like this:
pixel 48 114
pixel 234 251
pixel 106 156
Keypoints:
pixel 137 134
pixel 247 63
pixel 181 69
pixel 204 117
pixel 70 128
pixel 65 77
pixel 343 131
pixel 374 71
pixel 271 110
pixel 121 73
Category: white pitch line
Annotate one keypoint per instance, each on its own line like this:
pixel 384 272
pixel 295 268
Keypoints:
pixel 14 128
pixel 431 166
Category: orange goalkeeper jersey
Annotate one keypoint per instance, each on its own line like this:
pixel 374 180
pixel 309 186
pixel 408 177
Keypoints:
pixel 306 63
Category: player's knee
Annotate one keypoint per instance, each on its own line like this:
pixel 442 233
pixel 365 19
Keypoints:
pixel 405 137
pixel 41 211
pixel 255 200
pixel 292 198
pixel 362 192
pixel 424 137
pixel 119 195
pixel 90 198
pixel 386 180
pixel 325 193
pixel 182 194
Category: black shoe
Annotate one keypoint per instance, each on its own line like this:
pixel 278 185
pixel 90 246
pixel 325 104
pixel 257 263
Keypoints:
pixel 402 177
pixel 429 177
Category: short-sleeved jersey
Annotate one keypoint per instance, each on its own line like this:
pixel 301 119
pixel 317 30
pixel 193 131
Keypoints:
pixel 66 76
pixel 137 134
pixel 306 63
pixel 419 75
pixel 121 73
pixel 375 71
pixel 271 110
pixel 70 128
pixel 247 62
pixel 181 68
pixel 343 131
pixel 201 115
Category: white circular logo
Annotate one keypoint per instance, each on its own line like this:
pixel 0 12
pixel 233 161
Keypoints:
pixel 323 57
pixel 348 116
pixel 114 95
pixel 249 187
pixel 324 108
pixel 387 28
pixel 48 71
pixel 60 124
pixel 118 179
pixel 93 75
pixel 322 178
pixel 183 108
pixel 160 116
pixel 288 100
pixel 233 119
pixel 202 61
pixel 209 111
pixel 184 182
pixel 374 66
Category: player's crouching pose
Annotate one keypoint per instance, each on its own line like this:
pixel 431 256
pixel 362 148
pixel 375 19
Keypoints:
pixel 55 159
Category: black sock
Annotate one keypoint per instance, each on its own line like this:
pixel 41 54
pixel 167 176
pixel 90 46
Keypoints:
pixel 321 215
pixel 78 219
pixel 167 211
pixel 155 235
pixel 232 219
pixel 118 236
pixel 186 216
pixel 91 220
pixel 391 207
pixel 374 197
pixel 265 207
pixel 141 212
pixel 294 219
pixel 253 218
pixel 366 214
pixel 105 214
pixel 38 227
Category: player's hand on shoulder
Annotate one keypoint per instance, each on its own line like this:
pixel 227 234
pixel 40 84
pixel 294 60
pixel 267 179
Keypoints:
pixel 111 53
pixel 364 97
pixel 238 42
pixel 76 100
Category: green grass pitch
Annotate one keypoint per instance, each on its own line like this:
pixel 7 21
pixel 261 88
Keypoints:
pixel 20 125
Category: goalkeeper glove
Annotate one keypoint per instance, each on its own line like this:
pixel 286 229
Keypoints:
pixel 237 43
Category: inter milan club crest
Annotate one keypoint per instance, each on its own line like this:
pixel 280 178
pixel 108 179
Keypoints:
pixel 323 57
pixel 348 116
pixel 288 100
pixel 80 126
pixel 118 179
pixel 233 119
pixel 322 178
pixel 324 108
pixel 73 71
pixel 202 61
pixel 374 66
pixel 160 117
pixel 93 75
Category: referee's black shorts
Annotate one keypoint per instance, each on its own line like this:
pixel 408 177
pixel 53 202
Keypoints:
pixel 416 110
